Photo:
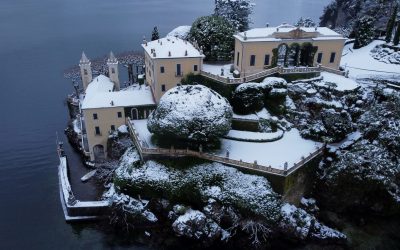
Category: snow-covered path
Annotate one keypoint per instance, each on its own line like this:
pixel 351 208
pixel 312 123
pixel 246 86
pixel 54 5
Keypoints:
pixel 360 63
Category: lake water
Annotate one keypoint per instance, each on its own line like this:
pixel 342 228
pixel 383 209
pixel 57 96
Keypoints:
pixel 38 40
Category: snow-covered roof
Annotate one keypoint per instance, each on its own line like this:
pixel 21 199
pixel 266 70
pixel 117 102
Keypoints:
pixel 278 33
pixel 100 83
pixel 171 47
pixel 99 94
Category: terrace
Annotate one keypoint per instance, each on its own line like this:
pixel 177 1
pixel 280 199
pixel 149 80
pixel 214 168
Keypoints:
pixel 281 157
pixel 221 72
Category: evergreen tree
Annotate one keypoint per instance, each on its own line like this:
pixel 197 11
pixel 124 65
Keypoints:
pixel 237 12
pixel 397 35
pixel 341 15
pixel 214 35
pixel 364 31
pixel 390 25
pixel 305 22
pixel 154 34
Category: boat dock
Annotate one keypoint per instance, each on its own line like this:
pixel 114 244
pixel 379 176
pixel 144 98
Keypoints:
pixel 74 209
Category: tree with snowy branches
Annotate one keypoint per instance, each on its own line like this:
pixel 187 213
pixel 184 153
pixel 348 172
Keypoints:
pixel 155 35
pixel 364 31
pixel 237 12
pixel 341 15
pixel 397 35
pixel 214 35
pixel 390 25
pixel 305 22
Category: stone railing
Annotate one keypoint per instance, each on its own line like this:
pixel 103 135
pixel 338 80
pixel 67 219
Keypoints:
pixel 271 71
pixel 144 150
pixel 218 78
pixel 307 159
pixel 261 74
pixel 333 71
pixel 296 70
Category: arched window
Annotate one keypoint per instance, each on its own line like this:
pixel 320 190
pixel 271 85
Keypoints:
pixel 134 114
pixel 85 71
pixel 112 70
pixel 294 55
pixel 307 55
pixel 282 55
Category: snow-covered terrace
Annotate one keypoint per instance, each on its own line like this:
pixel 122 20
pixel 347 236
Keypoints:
pixel 216 69
pixel 291 149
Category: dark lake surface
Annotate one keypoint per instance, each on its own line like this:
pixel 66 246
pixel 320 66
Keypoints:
pixel 38 40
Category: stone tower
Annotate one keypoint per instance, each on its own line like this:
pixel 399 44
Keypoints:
pixel 112 64
pixel 86 70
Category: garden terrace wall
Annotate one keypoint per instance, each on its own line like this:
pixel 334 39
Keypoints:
pixel 246 125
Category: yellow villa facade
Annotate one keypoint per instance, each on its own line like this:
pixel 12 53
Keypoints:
pixel 287 46
pixel 167 61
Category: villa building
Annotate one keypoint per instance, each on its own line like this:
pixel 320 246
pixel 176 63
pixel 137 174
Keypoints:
pixel 287 46
pixel 105 108
pixel 258 53
pixel 167 61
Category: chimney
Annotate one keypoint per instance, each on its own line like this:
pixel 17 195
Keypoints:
pixel 186 53
pixel 169 53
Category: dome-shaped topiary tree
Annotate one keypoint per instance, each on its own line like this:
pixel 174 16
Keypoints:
pixel 191 112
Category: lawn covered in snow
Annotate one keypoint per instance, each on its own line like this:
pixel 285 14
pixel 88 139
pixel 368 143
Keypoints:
pixel 359 62
pixel 342 83
pixel 289 149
